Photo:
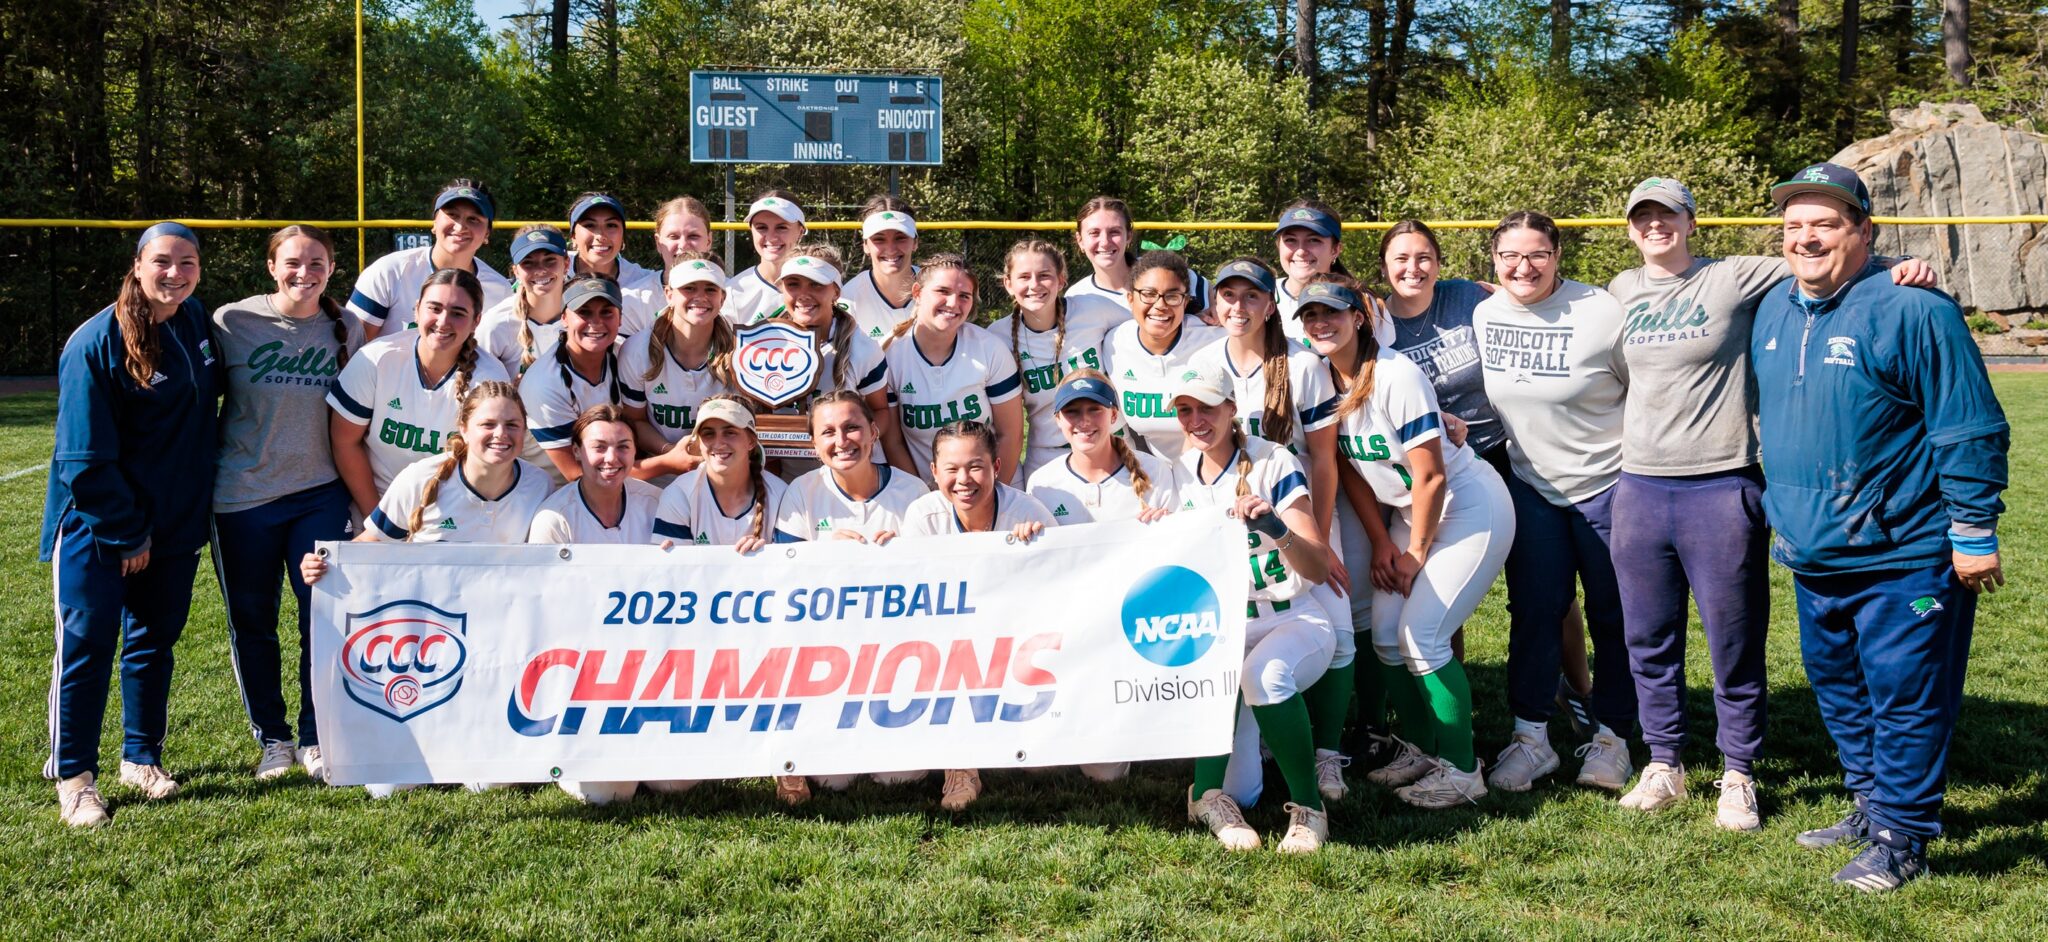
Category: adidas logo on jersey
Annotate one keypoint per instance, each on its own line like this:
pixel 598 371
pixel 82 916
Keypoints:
pixel 448 524
pixel 1130 375
pixel 875 333
pixel 1026 355
pixel 1188 505
pixel 911 389
pixel 1060 511
pixel 155 378
pixel 703 539
pixel 824 525
pixel 395 404
pixel 661 389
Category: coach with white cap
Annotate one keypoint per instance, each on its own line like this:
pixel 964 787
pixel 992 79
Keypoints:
pixel 1884 453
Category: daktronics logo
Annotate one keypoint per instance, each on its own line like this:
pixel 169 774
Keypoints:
pixel 687 690
pixel 1171 616
pixel 404 658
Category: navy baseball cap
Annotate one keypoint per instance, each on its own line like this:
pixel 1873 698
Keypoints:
pixel 1259 275
pixel 1314 220
pixel 470 195
pixel 539 240
pixel 589 288
pixel 1830 180
pixel 596 201
pixel 1331 295
pixel 1083 387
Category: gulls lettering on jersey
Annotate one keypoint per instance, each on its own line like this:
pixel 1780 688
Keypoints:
pixel 382 388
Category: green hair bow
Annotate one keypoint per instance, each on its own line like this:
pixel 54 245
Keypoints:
pixel 1174 244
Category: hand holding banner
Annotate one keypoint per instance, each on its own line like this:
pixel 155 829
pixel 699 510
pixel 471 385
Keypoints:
pixel 1098 643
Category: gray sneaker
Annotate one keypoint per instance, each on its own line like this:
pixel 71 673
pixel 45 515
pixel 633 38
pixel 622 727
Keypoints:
pixel 278 758
pixel 1607 763
pixel 1527 758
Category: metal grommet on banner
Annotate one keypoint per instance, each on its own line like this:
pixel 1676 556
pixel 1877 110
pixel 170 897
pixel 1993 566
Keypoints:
pixel 1011 539
pixel 563 552
pixel 788 768
pixel 1020 755
pixel 321 552
pixel 790 552
pixel 555 773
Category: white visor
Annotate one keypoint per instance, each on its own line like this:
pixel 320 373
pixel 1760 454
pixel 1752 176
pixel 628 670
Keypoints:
pixel 811 267
pixel 696 271
pixel 888 221
pixel 778 206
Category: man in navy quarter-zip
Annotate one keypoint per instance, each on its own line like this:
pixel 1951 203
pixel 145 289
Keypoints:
pixel 1884 454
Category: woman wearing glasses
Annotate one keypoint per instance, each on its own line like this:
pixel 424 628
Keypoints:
pixel 1551 353
pixel 1150 353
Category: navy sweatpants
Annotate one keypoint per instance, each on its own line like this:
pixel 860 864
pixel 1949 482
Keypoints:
pixel 252 551
pixel 1702 535
pixel 98 611
pixel 1555 550
pixel 1885 652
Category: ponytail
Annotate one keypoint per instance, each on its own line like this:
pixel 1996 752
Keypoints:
pixel 841 339
pixel 759 481
pixel 139 340
pixel 520 308
pixel 1278 425
pixel 1141 483
pixel 1244 461
pixel 906 326
pixel 328 306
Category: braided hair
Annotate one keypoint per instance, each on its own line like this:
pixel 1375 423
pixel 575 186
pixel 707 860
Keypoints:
pixel 944 261
pixel 1141 483
pixel 1047 250
pixel 458 450
pixel 522 306
pixel 328 306
pixel 465 359
pixel 611 356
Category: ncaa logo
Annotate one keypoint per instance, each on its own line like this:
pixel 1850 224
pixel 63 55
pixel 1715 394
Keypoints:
pixel 404 658
pixel 775 362
pixel 1171 616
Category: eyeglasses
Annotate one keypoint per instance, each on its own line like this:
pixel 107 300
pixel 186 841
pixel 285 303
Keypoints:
pixel 1538 259
pixel 1172 298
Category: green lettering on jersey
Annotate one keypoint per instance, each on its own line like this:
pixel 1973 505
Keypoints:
pixel 1359 448
pixel 677 417
pixel 409 437
pixel 311 361
pixel 940 414
pixel 1143 405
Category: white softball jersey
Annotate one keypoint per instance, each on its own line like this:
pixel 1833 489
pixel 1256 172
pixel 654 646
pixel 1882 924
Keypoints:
pixel 381 387
pixel 671 398
pixel 389 287
pixel 1089 321
pixel 1275 475
pixel 458 513
pixel 967 384
pixel 689 513
pixel 1073 499
pixel 565 517
pixel 815 506
pixel 1308 384
pixel 555 394
pixel 498 336
pixel 1382 322
pixel 875 314
pixel 640 288
pixel 1556 374
pixel 1145 382
pixel 1400 414
pixel 933 515
pixel 748 296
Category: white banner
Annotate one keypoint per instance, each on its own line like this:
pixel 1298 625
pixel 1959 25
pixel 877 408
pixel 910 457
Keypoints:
pixel 1098 643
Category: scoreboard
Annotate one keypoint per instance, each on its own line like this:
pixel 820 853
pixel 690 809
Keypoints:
pixel 806 118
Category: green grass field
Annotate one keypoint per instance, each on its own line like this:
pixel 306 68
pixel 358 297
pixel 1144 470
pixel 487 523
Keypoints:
pixel 1041 855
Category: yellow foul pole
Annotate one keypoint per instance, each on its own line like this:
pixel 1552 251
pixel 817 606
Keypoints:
pixel 360 250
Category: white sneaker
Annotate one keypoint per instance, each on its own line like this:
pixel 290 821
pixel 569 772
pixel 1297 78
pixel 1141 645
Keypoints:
pixel 1736 810
pixel 962 787
pixel 1408 767
pixel 1445 787
pixel 1660 787
pixel 316 767
pixel 79 803
pixel 154 783
pixel 1330 774
pixel 278 758
pixel 1225 820
pixel 1307 829
pixel 1527 758
pixel 1607 763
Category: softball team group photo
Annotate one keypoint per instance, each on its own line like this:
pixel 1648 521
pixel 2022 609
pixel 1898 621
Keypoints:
pixel 1394 441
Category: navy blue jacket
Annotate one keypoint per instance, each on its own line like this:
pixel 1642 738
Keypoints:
pixel 135 465
pixel 1880 431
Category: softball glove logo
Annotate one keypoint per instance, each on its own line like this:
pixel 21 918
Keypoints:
pixel 1171 616
pixel 404 658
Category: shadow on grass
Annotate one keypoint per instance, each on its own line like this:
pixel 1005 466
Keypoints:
pixel 29 410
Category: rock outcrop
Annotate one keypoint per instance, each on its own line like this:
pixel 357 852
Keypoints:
pixel 1948 160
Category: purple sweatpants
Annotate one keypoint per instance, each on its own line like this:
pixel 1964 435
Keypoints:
pixel 1706 535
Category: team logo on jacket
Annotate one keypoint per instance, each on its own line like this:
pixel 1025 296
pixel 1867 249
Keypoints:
pixel 404 658
pixel 1841 351
pixel 1925 606
pixel 775 362
pixel 1171 616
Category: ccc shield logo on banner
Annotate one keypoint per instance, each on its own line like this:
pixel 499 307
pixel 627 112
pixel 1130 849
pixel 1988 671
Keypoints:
pixel 404 658
pixel 1171 616
pixel 775 362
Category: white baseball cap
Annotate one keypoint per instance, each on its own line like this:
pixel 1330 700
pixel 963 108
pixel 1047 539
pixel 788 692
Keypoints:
pixel 779 206
pixel 696 271
pixel 725 410
pixel 813 268
pixel 1206 387
pixel 888 220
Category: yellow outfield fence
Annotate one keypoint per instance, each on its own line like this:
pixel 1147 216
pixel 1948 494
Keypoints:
pixel 991 225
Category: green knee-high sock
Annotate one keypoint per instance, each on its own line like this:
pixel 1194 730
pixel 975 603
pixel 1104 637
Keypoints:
pixel 1409 708
pixel 1329 699
pixel 1450 702
pixel 1285 728
pixel 1371 691
pixel 1209 773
